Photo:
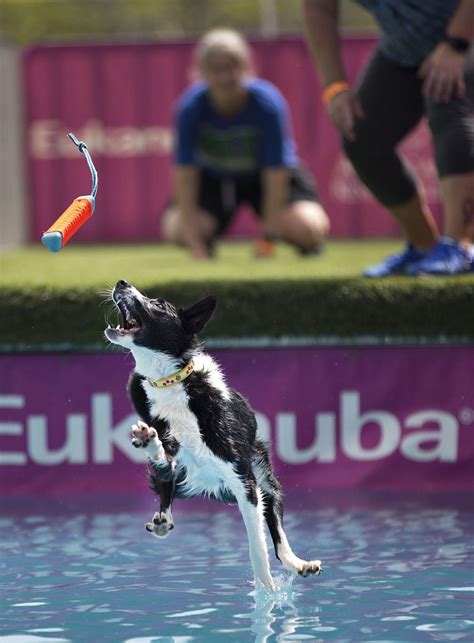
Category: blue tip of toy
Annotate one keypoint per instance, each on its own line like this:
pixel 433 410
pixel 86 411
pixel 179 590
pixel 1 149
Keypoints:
pixel 53 241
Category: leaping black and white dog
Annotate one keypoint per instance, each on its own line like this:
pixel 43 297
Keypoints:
pixel 199 435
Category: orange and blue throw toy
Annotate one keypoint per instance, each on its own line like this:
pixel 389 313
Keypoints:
pixel 81 209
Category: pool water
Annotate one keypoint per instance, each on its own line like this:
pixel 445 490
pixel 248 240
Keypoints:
pixel 395 568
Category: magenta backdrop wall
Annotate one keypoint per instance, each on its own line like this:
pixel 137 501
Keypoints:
pixel 376 418
pixel 119 99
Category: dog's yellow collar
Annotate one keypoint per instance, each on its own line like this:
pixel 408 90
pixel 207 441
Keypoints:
pixel 176 378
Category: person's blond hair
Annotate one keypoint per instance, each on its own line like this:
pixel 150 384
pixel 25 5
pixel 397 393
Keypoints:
pixel 226 41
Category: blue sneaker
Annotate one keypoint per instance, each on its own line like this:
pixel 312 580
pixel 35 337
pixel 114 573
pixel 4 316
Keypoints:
pixel 396 264
pixel 446 258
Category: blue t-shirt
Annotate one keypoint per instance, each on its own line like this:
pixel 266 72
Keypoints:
pixel 410 28
pixel 259 136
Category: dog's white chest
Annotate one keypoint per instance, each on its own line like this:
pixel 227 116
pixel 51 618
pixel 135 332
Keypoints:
pixel 205 472
pixel 172 406
pixel 186 431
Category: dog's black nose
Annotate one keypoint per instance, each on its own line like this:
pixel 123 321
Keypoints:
pixel 122 283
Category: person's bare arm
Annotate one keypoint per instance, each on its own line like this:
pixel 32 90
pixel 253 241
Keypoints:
pixel 321 22
pixel 275 188
pixel 461 24
pixel 442 70
pixel 187 189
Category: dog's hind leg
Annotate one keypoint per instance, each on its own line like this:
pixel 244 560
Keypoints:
pixel 274 518
pixel 251 507
pixel 272 496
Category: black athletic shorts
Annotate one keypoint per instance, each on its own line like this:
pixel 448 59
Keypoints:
pixel 393 104
pixel 222 196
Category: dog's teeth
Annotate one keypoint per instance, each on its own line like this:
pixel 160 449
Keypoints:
pixel 117 327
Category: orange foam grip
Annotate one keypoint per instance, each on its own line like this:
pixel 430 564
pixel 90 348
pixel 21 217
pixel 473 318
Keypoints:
pixel 72 219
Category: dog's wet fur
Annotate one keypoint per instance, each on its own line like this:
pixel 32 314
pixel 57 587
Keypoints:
pixel 199 435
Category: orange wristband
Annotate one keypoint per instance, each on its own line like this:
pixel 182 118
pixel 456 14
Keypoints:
pixel 333 90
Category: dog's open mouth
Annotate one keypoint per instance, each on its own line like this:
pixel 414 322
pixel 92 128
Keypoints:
pixel 130 319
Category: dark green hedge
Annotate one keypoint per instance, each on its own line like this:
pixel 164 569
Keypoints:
pixel 348 309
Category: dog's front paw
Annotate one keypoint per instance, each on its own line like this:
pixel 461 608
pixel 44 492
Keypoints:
pixel 310 568
pixel 146 437
pixel 161 525
pixel 142 434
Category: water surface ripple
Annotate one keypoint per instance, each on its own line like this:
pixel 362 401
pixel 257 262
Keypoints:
pixel 401 571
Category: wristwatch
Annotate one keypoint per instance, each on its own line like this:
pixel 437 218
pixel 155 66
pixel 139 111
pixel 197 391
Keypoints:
pixel 458 44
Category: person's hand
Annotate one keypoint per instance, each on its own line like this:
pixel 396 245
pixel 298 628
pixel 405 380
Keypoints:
pixel 343 110
pixel 200 253
pixel 442 72
pixel 195 245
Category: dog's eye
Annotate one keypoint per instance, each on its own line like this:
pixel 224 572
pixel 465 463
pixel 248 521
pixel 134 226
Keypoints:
pixel 159 303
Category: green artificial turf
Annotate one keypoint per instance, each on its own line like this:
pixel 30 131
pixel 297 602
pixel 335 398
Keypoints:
pixel 60 299
pixel 99 266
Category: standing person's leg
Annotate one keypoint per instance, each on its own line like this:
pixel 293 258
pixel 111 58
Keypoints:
pixel 452 129
pixel 458 199
pixel 393 105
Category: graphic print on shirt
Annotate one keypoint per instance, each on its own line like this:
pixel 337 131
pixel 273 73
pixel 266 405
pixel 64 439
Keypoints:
pixel 235 149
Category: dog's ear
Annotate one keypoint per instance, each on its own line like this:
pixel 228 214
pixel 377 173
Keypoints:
pixel 198 315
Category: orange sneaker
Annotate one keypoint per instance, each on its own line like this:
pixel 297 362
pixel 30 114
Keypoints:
pixel 264 248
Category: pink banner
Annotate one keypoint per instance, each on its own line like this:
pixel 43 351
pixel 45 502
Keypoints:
pixel 119 99
pixel 374 418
